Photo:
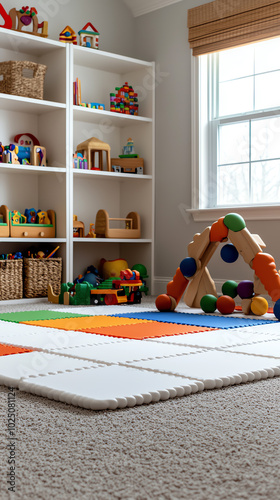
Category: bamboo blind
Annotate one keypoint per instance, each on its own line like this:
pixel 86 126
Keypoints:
pixel 224 24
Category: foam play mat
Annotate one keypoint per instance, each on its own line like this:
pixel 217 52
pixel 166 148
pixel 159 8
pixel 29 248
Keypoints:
pixel 122 356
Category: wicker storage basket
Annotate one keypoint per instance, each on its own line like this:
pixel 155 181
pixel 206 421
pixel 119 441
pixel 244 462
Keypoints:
pixel 11 279
pixel 14 82
pixel 38 273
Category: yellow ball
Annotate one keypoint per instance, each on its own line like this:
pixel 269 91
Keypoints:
pixel 259 306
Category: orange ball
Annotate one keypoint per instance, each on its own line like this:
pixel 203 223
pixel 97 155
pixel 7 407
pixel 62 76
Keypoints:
pixel 225 304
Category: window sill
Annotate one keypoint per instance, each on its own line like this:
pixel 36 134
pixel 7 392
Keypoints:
pixel 259 212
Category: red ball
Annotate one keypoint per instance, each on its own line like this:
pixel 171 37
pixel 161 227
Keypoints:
pixel 225 304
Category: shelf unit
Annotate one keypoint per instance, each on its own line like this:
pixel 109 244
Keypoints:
pixel 60 126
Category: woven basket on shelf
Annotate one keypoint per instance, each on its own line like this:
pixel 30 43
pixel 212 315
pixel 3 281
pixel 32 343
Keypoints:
pixel 11 279
pixel 14 81
pixel 38 273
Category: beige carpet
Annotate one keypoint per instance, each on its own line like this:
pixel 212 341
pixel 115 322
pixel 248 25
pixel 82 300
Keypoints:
pixel 215 445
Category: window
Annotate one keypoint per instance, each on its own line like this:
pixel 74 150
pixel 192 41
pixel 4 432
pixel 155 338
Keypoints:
pixel 238 142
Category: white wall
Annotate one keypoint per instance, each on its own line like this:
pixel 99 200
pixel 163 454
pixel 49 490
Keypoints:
pixel 111 18
pixel 165 40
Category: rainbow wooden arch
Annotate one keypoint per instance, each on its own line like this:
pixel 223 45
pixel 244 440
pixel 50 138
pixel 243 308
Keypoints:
pixel 198 282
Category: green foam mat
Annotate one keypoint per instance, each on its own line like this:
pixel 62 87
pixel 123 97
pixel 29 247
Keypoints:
pixel 20 316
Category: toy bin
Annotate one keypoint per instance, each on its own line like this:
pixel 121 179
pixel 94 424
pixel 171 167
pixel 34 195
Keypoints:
pixel 38 273
pixel 4 222
pixel 11 283
pixel 22 78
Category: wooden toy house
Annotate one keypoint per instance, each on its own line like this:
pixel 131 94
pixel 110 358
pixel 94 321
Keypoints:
pixel 68 35
pixel 89 36
pixel 91 146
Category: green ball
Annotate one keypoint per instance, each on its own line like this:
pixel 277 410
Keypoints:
pixel 230 288
pixel 208 303
pixel 234 222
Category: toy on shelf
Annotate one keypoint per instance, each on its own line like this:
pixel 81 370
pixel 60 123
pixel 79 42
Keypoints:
pixel 78 228
pixel 112 291
pixel 4 222
pixel 193 275
pixel 68 35
pixel 91 233
pixel 6 18
pixel 91 146
pixel 103 229
pixel 79 161
pixel 77 97
pixel 89 36
pixel 129 161
pixel 44 225
pixel 27 17
pixel 27 154
pixel 125 100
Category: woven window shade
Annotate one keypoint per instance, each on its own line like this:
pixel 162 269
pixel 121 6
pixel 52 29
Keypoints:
pixel 223 24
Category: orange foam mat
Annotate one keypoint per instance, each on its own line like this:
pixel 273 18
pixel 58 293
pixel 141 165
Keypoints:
pixel 5 350
pixel 146 330
pixel 85 322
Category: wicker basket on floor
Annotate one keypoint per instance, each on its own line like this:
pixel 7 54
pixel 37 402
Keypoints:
pixel 38 273
pixel 11 286
pixel 15 80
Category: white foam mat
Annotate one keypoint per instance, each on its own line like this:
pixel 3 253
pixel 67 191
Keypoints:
pixel 103 372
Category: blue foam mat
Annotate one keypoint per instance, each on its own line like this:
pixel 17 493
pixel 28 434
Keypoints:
pixel 206 320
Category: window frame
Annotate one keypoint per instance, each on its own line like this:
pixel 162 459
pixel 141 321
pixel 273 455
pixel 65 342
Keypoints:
pixel 202 141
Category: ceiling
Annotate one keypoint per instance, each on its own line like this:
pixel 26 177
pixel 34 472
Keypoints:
pixel 140 7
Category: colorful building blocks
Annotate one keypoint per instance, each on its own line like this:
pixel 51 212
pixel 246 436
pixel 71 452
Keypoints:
pixel 197 282
pixel 125 100
pixel 89 36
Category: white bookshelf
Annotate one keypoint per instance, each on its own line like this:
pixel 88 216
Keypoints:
pixel 60 127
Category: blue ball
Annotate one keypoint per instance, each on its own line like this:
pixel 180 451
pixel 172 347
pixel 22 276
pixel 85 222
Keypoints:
pixel 276 309
pixel 188 267
pixel 229 253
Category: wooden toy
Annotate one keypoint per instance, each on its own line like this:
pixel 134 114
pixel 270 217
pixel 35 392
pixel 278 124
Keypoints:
pixel 6 18
pixel 68 35
pixel 26 17
pixel 20 229
pixel 103 229
pixel 4 223
pixel 9 154
pixel 128 165
pixel 91 233
pixel 91 146
pixel 203 247
pixel 78 228
pixel 89 36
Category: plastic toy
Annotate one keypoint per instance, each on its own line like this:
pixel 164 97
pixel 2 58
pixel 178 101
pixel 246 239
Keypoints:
pixel 112 268
pixel 79 161
pixel 201 249
pixel 78 228
pixel 7 19
pixel 91 146
pixel 89 36
pixel 68 35
pixel 103 230
pixel 26 151
pixel 26 17
pixel 125 100
pixel 143 275
pixel 112 291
